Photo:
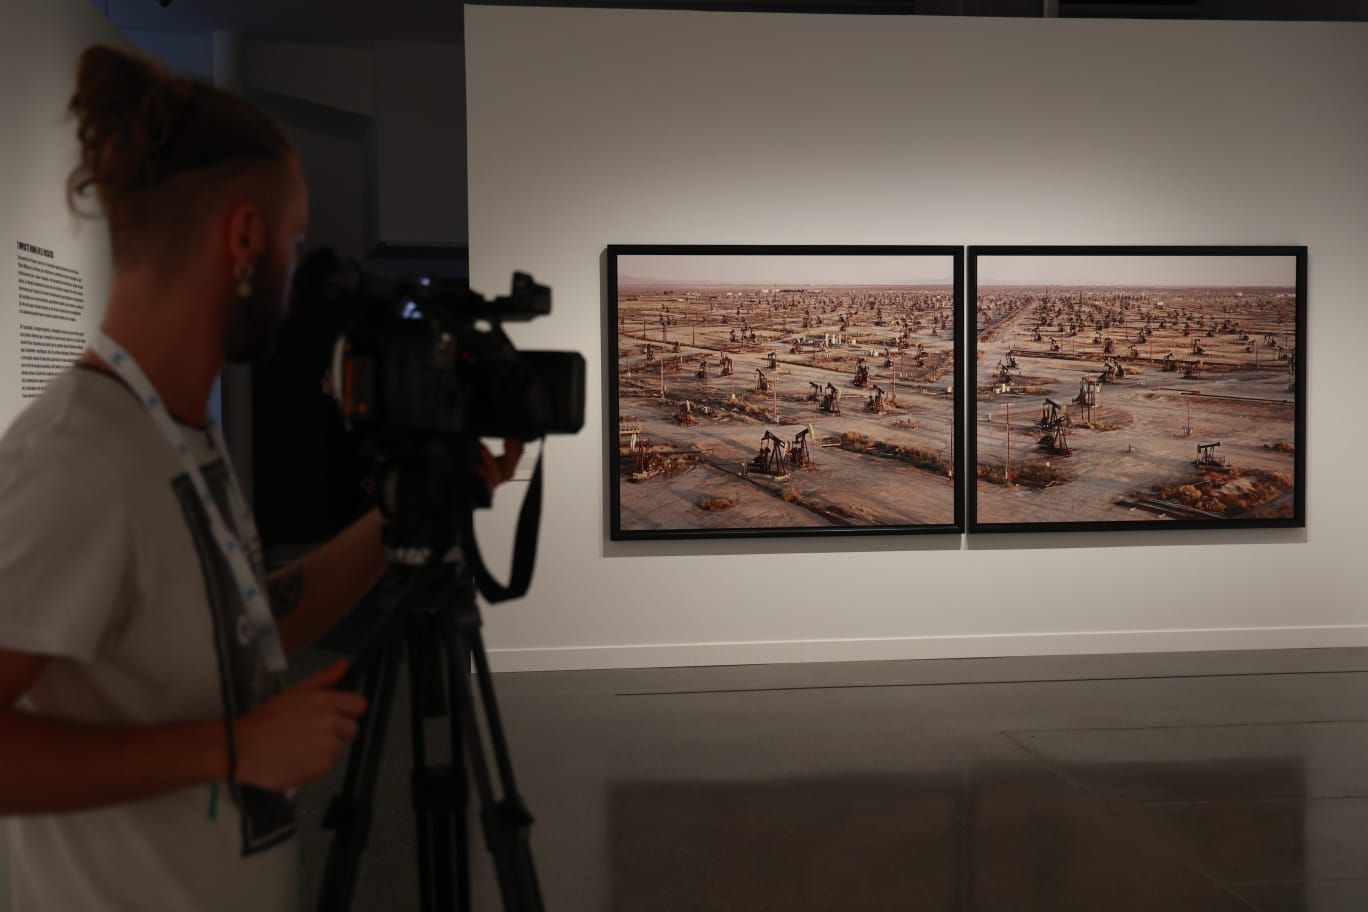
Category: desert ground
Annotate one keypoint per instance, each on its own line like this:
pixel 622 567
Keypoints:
pixel 706 371
pixel 1111 391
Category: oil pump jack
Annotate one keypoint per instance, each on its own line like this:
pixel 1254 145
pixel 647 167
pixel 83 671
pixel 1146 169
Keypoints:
pixel 831 400
pixel 770 459
pixel 861 374
pixel 1054 422
pixel 1208 458
pixel 800 453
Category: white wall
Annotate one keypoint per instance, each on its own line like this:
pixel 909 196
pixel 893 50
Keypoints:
pixel 590 127
pixel 40 44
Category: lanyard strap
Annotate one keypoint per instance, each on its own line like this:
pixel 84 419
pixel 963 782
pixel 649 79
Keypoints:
pixel 261 624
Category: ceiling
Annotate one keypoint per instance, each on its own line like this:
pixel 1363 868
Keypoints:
pixel 333 21
pixel 340 21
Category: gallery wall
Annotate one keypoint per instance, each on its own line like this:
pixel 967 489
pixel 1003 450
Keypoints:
pixel 591 127
pixel 65 268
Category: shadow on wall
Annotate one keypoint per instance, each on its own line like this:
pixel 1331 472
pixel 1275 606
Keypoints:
pixel 1185 538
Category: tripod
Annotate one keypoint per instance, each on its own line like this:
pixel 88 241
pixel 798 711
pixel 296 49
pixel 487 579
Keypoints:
pixel 435 624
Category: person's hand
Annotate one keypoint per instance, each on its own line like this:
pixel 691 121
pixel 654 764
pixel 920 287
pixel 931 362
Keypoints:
pixel 294 738
pixel 495 470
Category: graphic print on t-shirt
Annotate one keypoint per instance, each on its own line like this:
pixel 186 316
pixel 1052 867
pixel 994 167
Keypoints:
pixel 268 818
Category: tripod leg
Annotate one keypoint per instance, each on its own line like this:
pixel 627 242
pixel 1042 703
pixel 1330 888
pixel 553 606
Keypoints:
pixel 461 811
pixel 492 717
pixel 458 818
pixel 436 789
pixel 517 821
pixel 349 814
pixel 418 736
pixel 505 822
pixel 442 642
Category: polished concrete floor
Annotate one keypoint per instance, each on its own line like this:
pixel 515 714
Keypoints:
pixel 1201 781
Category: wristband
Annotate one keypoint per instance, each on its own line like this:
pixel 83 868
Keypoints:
pixel 231 731
pixel 230 738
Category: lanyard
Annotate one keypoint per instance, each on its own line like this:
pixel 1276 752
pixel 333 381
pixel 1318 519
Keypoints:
pixel 259 621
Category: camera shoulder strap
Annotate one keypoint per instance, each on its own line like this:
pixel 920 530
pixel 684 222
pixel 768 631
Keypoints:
pixel 524 546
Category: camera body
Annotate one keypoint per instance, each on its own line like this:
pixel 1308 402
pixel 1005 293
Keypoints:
pixel 428 358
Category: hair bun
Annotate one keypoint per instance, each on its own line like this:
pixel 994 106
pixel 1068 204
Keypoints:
pixel 142 128
pixel 125 107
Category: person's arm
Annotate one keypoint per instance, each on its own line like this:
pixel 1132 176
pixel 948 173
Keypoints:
pixel 50 766
pixel 313 593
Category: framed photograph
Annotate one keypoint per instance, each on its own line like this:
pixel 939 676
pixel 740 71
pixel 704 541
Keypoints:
pixel 778 391
pixel 1136 387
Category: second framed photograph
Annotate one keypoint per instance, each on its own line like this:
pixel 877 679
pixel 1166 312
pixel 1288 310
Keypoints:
pixel 1136 387
pixel 778 391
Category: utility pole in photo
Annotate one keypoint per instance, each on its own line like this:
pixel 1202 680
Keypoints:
pixel 1007 469
pixel 952 444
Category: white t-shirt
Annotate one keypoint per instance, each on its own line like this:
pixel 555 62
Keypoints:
pixel 108 566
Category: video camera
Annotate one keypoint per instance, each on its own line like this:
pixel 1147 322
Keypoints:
pixel 429 357
pixel 422 371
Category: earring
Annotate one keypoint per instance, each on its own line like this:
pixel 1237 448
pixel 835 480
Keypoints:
pixel 242 272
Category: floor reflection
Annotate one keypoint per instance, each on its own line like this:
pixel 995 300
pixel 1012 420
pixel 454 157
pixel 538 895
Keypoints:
pixel 787 789
pixel 994 837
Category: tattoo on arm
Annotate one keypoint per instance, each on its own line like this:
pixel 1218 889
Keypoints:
pixel 287 589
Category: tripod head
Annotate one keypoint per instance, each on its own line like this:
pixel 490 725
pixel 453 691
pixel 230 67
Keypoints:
pixel 427 492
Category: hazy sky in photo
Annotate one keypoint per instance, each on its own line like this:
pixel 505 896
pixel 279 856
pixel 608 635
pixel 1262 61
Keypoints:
pixel 1265 271
pixel 788 269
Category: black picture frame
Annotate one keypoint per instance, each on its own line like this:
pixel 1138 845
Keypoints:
pixel 613 253
pixel 972 377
